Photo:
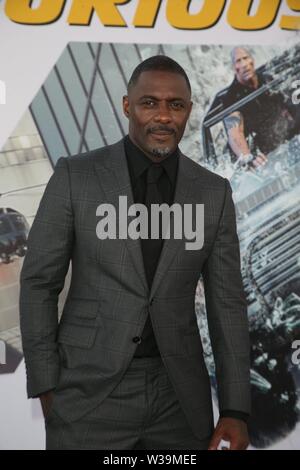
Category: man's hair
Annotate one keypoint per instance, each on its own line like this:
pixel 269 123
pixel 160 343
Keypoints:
pixel 157 62
pixel 232 52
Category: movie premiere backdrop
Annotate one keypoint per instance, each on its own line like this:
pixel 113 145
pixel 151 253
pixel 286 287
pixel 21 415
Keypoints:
pixel 64 66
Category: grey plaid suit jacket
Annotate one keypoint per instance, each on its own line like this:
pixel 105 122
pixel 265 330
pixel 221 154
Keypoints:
pixel 85 355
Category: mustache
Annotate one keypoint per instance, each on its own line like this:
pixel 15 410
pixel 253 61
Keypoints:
pixel 166 129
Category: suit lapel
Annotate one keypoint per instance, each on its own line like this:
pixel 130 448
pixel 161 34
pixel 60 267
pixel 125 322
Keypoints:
pixel 114 179
pixel 171 247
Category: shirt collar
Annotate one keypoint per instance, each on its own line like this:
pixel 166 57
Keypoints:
pixel 138 161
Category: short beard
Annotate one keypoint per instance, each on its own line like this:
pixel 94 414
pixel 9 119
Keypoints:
pixel 160 152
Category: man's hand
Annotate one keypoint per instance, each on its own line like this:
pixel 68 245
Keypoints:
pixel 46 402
pixel 233 430
pixel 251 162
pixel 260 159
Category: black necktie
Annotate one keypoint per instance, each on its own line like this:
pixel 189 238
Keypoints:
pixel 152 247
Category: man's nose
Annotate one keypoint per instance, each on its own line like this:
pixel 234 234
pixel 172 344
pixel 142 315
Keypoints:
pixel 163 113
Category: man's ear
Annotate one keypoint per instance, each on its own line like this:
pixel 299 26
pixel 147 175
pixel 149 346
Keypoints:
pixel 126 105
pixel 191 107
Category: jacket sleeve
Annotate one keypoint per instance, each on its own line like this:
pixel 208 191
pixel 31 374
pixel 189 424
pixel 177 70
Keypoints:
pixel 226 309
pixel 42 279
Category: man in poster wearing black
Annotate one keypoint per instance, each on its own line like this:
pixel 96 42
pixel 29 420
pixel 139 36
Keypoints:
pixel 262 124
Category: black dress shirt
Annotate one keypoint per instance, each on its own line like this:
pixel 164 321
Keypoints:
pixel 138 164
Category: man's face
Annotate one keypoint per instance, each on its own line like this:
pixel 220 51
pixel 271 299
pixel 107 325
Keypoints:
pixel 158 107
pixel 243 65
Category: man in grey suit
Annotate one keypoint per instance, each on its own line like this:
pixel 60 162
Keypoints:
pixel 124 367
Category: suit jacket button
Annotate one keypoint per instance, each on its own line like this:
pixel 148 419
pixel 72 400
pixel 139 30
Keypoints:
pixel 137 339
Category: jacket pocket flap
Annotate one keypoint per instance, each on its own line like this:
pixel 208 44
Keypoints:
pixel 76 335
pixel 81 308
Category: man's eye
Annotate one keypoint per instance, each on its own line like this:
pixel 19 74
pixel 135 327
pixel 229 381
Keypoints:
pixel 177 105
pixel 149 103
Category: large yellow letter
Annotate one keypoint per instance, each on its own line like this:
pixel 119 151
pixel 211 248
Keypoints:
pixel 20 11
pixel 82 11
pixel 239 14
pixel 178 14
pixel 146 13
pixel 291 22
